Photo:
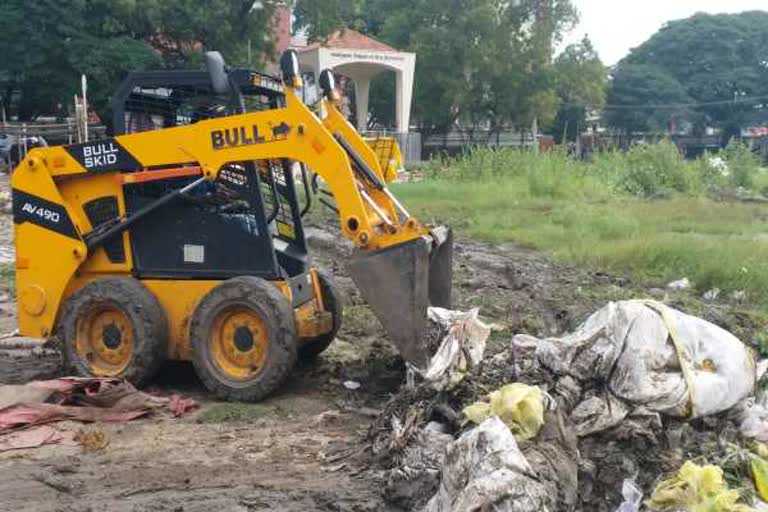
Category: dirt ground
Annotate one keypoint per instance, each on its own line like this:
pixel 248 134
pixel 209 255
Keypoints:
pixel 305 448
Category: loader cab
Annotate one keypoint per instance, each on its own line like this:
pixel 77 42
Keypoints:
pixel 246 223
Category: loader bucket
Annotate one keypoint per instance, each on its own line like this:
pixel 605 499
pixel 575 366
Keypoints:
pixel 399 283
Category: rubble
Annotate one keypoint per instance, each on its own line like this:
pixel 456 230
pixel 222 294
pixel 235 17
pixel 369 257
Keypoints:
pixel 625 397
pixel 23 360
pixel 485 469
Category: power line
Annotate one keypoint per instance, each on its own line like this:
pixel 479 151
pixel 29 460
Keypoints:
pixel 675 106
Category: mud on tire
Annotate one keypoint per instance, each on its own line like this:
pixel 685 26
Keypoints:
pixel 334 304
pixel 145 325
pixel 272 325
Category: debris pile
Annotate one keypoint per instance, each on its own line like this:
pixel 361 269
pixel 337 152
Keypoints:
pixel 600 415
pixel 24 359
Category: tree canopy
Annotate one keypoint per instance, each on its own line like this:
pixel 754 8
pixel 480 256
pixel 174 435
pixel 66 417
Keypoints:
pixel 580 83
pixel 46 45
pixel 707 69
pixel 479 62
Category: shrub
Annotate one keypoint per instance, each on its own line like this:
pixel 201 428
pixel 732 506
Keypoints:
pixel 653 170
pixel 743 165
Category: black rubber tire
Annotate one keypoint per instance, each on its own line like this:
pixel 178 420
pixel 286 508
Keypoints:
pixel 150 326
pixel 274 310
pixel 335 305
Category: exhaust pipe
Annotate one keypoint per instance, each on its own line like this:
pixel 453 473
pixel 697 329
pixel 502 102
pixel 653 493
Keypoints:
pixel 401 282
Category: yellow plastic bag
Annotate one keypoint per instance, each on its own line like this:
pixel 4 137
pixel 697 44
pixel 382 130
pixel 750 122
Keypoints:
pixel 760 475
pixel 759 465
pixel 696 489
pixel 519 406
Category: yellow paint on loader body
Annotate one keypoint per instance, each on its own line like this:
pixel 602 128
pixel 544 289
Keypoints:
pixel 51 186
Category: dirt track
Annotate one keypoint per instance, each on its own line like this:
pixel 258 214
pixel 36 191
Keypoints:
pixel 302 449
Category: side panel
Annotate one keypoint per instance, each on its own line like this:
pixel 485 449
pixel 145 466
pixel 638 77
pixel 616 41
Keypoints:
pixel 179 300
pixel 49 248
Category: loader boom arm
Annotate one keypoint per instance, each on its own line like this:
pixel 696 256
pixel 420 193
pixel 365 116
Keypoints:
pixel 370 215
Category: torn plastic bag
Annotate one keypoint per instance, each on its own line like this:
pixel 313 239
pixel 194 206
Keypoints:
pixel 633 496
pixel 461 349
pixel 650 356
pixel 485 470
pixel 519 406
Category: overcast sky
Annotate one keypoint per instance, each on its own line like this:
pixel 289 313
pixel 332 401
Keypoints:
pixel 616 26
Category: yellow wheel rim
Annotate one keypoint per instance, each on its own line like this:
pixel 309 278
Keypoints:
pixel 105 340
pixel 238 342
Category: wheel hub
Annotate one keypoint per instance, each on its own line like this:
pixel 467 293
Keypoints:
pixel 105 340
pixel 111 336
pixel 243 339
pixel 238 342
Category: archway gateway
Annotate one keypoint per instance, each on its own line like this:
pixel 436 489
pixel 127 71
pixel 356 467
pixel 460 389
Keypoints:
pixel 361 58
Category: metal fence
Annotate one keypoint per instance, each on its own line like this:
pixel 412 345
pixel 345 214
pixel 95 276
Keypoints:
pixel 457 140
pixel 21 137
pixel 409 142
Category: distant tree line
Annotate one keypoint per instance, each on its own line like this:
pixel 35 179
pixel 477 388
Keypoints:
pixel 478 61
pixel 488 63
pixel 707 70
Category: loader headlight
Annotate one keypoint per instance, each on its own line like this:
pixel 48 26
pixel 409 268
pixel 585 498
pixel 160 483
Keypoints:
pixel 328 84
pixel 289 67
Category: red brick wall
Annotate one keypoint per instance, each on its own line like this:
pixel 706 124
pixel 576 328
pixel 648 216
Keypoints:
pixel 282 29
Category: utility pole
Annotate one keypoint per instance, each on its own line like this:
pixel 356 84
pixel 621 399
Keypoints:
pixel 84 86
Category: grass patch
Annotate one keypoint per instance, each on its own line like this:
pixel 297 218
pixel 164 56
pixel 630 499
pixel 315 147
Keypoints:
pixel 233 412
pixel 647 212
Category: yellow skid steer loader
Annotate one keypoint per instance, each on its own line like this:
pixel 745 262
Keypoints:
pixel 181 238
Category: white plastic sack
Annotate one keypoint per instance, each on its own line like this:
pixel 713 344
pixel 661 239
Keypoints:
pixel 652 357
pixel 461 349
pixel 485 470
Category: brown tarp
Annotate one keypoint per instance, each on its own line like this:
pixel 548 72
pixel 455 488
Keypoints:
pixel 25 409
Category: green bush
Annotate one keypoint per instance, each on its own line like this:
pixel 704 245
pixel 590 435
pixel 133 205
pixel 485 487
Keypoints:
pixel 645 171
pixel 654 170
pixel 743 165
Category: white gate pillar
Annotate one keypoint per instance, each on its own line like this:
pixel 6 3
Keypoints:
pixel 362 93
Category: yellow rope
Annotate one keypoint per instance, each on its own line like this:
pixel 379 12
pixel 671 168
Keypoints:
pixel 679 348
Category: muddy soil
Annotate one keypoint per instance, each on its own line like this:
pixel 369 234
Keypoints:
pixel 305 448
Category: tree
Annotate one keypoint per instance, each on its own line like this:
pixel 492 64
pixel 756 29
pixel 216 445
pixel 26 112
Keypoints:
pixel 581 82
pixel 323 17
pixel 716 62
pixel 645 98
pixel 481 62
pixel 229 26
pixel 46 45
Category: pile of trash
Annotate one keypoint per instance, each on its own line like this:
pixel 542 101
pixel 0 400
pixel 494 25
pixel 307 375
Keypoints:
pixel 601 415
pixel 37 413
